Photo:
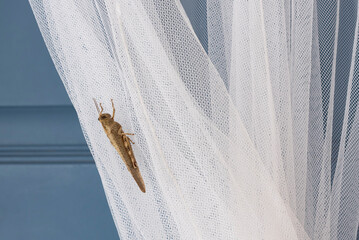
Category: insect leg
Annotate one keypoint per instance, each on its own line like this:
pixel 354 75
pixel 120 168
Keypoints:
pixel 129 150
pixel 130 140
pixel 113 111
pixel 101 108
pixel 124 134
pixel 134 163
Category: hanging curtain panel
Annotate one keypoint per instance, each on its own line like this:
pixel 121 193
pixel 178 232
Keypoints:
pixel 244 128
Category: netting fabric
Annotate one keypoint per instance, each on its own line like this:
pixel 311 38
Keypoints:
pixel 234 141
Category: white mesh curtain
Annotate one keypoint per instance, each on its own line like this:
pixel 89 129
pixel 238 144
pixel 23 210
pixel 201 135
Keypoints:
pixel 234 141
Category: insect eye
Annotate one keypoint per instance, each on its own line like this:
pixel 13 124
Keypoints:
pixel 103 117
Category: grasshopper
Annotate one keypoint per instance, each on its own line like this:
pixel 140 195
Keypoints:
pixel 120 140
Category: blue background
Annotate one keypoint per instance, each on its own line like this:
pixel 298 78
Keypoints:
pixel 49 185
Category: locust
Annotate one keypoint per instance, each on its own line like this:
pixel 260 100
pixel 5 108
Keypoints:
pixel 122 143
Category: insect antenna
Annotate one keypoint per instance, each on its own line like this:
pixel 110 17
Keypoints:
pixel 101 108
pixel 98 109
pixel 113 107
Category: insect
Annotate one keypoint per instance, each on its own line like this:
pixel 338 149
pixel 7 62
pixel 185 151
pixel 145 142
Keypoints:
pixel 121 142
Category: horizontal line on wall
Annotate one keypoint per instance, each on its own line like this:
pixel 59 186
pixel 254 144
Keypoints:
pixel 36 106
pixel 52 162
pixel 54 153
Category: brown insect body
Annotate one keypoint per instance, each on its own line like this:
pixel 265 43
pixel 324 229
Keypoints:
pixel 122 144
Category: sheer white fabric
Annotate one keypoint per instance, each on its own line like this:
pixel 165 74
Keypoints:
pixel 233 143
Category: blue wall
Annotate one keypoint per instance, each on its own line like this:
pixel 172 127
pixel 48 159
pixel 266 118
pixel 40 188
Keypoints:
pixel 49 184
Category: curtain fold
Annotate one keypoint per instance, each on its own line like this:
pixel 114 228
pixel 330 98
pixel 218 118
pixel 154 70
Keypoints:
pixel 234 141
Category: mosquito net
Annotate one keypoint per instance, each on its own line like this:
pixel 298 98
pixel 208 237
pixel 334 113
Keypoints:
pixel 245 115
